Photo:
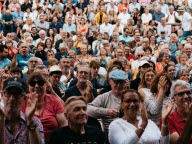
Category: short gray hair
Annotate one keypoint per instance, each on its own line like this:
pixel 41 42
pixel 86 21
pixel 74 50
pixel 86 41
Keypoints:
pixel 180 83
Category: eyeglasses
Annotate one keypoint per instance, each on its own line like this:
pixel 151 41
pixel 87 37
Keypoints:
pixel 140 55
pixel 83 72
pixel 121 82
pixel 181 94
pixel 135 101
pixel 33 83
pixel 185 75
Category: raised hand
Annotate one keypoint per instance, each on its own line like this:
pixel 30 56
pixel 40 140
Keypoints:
pixel 144 115
pixel 127 85
pixel 167 110
pixel 31 106
pixel 2 114
pixel 89 86
pixel 162 83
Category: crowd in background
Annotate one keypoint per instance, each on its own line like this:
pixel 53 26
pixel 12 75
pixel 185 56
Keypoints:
pixel 96 71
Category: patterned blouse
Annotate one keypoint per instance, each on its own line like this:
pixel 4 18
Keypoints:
pixel 22 136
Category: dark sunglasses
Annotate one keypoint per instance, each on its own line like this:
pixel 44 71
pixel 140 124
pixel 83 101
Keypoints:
pixel 33 83
pixel 181 94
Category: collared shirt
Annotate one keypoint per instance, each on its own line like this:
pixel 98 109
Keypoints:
pixel 186 21
pixel 164 8
pixel 166 28
pixel 18 15
pixel 69 28
pixel 22 135
pixel 133 6
pixel 127 39
pixel 44 24
pixel 106 28
pixel 165 39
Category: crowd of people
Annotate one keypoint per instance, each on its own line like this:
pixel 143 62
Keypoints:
pixel 96 71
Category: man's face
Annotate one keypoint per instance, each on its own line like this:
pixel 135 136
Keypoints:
pixel 137 37
pixel 34 30
pixel 16 74
pixel 12 99
pixel 163 20
pixel 83 74
pixel 144 68
pixel 63 51
pixel 106 20
pixel 126 50
pixel 50 55
pixel 69 20
pixel 5 53
pixel 77 113
pixel 119 53
pixel 117 85
pixel 41 19
pixel 182 97
pixel 44 72
pixel 187 50
pixel 32 63
pixel 65 63
pixel 42 35
pixel 55 19
pixel 54 79
pixel 24 49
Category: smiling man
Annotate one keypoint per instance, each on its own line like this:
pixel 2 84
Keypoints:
pixel 77 131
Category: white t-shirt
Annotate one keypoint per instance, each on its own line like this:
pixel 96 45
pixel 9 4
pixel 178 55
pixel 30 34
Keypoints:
pixel 146 18
pixel 186 21
pixel 124 17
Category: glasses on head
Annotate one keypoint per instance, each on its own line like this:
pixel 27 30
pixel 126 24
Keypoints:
pixel 33 83
pixel 135 101
pixel 182 94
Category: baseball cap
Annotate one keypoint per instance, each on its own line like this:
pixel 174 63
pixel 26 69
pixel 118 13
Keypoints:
pixel 118 75
pixel 15 82
pixel 54 68
pixel 143 62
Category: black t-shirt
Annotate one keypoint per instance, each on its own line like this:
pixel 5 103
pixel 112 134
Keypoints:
pixel 74 91
pixel 66 136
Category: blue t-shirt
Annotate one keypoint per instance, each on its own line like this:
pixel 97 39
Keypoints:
pixel 23 61
pixel 4 62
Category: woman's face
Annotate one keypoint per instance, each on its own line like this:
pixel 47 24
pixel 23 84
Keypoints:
pixel 40 48
pixel 130 103
pixel 183 59
pixel 147 11
pixel 149 77
pixel 152 38
pixel 147 53
pixel 51 31
pixel 103 51
pixel 48 42
pixel 188 40
pixel 165 58
pixel 82 21
pixel 171 71
pixel 29 21
pixel 95 71
pixel 38 88
pixel 185 76
pixel 84 50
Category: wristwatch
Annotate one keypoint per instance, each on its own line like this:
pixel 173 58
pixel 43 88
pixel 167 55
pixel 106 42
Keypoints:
pixel 32 126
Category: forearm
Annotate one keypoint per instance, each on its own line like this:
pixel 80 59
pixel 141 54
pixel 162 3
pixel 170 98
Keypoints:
pixel 160 96
pixel 2 131
pixel 34 137
pixel 186 134
pixel 13 62
pixel 165 128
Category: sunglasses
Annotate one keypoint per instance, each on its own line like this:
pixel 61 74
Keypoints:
pixel 181 94
pixel 33 83
pixel 140 55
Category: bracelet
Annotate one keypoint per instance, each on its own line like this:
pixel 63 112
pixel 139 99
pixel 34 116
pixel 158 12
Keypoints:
pixel 164 125
pixel 141 128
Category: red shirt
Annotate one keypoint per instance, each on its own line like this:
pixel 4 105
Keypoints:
pixel 130 56
pixel 176 123
pixel 48 119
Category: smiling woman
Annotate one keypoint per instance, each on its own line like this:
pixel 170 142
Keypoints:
pixel 132 130
pixel 49 109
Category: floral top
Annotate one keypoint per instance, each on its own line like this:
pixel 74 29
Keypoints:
pixel 22 136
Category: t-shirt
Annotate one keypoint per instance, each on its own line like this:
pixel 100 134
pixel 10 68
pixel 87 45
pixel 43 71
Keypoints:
pixel 66 136
pixel 52 106
pixel 23 61
pixel 4 62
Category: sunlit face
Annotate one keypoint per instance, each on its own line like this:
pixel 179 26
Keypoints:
pixel 149 77
pixel 83 50
pixel 182 97
pixel 83 74
pixel 171 71
pixel 117 85
pixel 32 63
pixel 24 49
pixel 54 79
pixel 185 76
pixel 77 114
pixel 165 58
